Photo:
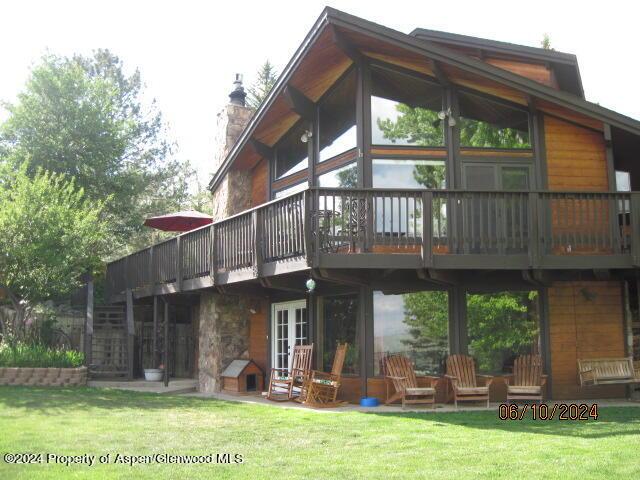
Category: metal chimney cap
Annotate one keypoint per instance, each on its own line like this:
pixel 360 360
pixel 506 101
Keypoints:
pixel 238 95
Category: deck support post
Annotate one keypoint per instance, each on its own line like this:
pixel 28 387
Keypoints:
pixel 154 339
pixel 165 344
pixel 130 333
pixel 88 325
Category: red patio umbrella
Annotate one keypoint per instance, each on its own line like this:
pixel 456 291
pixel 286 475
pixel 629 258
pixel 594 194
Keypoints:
pixel 179 221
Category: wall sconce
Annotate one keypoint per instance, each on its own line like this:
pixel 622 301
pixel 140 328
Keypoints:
pixel 311 285
pixel 447 113
pixel 306 136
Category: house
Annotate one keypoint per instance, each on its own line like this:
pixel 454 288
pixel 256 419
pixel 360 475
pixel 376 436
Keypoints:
pixel 446 194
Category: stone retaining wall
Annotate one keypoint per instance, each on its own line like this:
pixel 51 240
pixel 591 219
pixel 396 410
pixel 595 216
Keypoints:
pixel 43 377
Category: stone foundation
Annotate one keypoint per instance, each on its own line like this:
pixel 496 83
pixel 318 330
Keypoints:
pixel 223 336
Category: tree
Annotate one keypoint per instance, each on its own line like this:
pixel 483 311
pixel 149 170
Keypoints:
pixel 85 117
pixel 258 91
pixel 546 42
pixel 52 234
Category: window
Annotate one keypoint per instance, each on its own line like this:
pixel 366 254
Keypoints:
pixel 408 173
pixel 292 154
pixel 289 190
pixel 488 124
pixel 404 110
pixel 343 177
pixel 500 327
pixel 412 324
pixel 338 119
pixel 339 324
pixel 492 176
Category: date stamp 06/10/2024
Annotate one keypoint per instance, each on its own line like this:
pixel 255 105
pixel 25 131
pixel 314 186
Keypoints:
pixel 542 411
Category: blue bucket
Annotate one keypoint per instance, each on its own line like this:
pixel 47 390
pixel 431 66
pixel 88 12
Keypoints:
pixel 369 402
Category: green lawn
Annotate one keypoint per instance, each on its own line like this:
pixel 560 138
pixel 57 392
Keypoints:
pixel 283 443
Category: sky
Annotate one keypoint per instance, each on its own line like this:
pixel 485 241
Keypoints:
pixel 188 51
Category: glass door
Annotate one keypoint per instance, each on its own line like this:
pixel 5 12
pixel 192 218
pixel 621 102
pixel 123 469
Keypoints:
pixel 494 223
pixel 289 326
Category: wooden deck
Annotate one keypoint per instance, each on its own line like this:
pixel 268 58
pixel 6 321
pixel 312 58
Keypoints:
pixel 367 229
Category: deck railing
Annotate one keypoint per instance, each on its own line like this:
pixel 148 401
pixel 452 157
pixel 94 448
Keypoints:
pixel 319 222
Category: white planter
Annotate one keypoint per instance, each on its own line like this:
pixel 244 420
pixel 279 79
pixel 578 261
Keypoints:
pixel 153 374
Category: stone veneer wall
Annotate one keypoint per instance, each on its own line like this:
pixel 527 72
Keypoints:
pixel 223 336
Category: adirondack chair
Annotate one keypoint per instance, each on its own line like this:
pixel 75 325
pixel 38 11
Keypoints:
pixel 287 384
pixel 321 389
pixel 461 370
pixel 399 371
pixel 527 381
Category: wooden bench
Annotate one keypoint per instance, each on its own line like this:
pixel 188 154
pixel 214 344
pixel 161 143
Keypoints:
pixel 607 371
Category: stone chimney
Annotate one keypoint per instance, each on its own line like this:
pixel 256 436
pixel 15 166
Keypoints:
pixel 223 320
pixel 234 192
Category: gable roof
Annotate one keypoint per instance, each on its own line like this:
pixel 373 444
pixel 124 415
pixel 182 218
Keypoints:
pixel 564 64
pixel 331 16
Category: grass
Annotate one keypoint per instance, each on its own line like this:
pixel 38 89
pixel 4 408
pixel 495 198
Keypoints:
pixel 285 443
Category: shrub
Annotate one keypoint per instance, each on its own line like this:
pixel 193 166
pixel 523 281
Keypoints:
pixel 38 356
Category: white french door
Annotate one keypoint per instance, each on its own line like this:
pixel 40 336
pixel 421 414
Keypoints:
pixel 289 327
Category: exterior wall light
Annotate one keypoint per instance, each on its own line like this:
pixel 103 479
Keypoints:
pixel 311 285
pixel 306 136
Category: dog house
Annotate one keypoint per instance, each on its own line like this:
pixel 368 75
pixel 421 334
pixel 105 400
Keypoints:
pixel 243 376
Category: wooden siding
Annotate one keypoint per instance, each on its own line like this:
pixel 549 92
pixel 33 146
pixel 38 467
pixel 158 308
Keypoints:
pixel 259 183
pixel 576 157
pixel 585 321
pixel 258 340
pixel 535 71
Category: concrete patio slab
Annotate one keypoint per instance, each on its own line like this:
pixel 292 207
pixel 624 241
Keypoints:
pixel 176 386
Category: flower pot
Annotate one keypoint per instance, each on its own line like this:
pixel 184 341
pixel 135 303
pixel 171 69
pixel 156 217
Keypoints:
pixel 153 374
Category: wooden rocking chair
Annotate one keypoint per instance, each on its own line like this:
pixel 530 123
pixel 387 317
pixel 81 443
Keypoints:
pixel 321 389
pixel 399 371
pixel 287 384
pixel 527 380
pixel 461 370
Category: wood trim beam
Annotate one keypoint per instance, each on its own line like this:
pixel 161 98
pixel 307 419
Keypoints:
pixel 345 45
pixel 263 150
pixel 440 75
pixel 299 103
pixel 340 278
pixel 286 283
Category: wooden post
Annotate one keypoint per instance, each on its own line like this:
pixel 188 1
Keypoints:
pixel 257 243
pixel 155 332
pixel 308 228
pixel 130 333
pixel 427 229
pixel 212 254
pixel 635 228
pixel 179 263
pixel 88 325
pixel 152 269
pixel 165 353
pixel 534 235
